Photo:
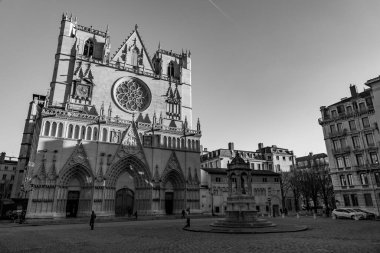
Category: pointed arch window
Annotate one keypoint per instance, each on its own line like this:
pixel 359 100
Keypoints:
pixel 95 134
pixel 76 132
pixel 105 132
pixel 60 130
pixel 53 129
pixel 134 56
pixel 47 128
pixel 83 132
pixel 89 133
pixel 70 132
pixel 171 69
pixel 88 48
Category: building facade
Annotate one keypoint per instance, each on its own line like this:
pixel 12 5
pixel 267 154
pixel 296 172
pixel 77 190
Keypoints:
pixel 221 157
pixel 351 133
pixel 278 159
pixel 8 167
pixel 115 133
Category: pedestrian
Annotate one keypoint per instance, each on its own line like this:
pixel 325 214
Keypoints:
pixel 187 223
pixel 183 214
pixel 92 220
pixel 286 211
pixel 135 215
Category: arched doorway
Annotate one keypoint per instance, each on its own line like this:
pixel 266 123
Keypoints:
pixel 169 198
pixel 74 193
pixel 173 188
pixel 128 187
pixel 124 202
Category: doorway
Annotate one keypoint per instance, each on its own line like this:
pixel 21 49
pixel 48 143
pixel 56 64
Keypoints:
pixel 169 199
pixel 72 203
pixel 124 202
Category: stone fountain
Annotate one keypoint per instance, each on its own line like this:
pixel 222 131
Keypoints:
pixel 241 208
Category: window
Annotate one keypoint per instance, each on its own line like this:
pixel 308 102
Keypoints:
pixel 88 48
pixel 349 109
pixel 4 176
pixel 265 179
pixel 283 158
pixel 332 129
pixel 368 199
pixel 339 126
pixel 5 167
pixel 336 144
pixel 14 168
pixel 334 113
pixel 277 157
pixel 252 166
pixel 355 141
pixel 290 158
pixel 276 179
pixel 340 162
pixel 359 159
pixel 346 199
pixel 347 161
pixel 349 180
pixel 47 128
pixel 369 139
pixel 365 121
pixel 12 177
pixel 377 178
pixel 352 125
pixel 171 69
pixel 217 179
pixel 369 102
pixel 258 166
pixel 354 200
pixel 217 209
pixel 364 179
pixel 343 181
pixel 374 158
pixel 362 107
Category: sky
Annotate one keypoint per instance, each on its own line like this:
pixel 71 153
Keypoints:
pixel 260 69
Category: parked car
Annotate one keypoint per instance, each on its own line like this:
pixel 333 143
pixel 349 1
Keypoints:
pixel 347 213
pixel 367 215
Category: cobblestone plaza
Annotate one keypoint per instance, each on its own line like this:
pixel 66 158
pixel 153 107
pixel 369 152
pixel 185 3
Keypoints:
pixel 324 235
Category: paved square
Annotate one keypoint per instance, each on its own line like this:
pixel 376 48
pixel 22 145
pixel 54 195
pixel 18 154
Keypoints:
pixel 324 235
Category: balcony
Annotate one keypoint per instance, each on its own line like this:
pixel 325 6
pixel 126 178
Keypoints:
pixel 339 151
pixel 337 133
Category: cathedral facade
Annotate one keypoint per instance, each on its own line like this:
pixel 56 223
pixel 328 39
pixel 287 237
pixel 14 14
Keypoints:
pixel 114 134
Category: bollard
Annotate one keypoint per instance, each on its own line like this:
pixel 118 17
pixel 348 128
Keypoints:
pixel 283 215
pixel 298 216
pixel 315 216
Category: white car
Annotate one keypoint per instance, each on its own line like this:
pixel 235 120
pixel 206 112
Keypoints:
pixel 347 213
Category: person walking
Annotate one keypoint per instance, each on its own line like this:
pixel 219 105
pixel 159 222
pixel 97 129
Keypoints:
pixel 183 214
pixel 187 223
pixel 136 215
pixel 92 220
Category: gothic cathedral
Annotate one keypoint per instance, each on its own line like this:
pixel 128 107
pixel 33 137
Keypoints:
pixel 114 134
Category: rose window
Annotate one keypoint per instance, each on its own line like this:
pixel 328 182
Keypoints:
pixel 132 95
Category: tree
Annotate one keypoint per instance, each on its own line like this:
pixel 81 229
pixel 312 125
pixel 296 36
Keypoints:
pixel 326 190
pixel 285 186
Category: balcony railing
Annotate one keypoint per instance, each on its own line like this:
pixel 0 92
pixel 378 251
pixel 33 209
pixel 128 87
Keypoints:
pixel 341 150
pixel 337 133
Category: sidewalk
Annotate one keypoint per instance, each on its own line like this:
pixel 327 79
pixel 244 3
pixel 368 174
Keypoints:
pixel 84 220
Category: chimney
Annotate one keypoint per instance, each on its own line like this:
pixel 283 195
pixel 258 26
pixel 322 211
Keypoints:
pixel 353 90
pixel 231 146
pixel 261 145
pixel 2 157
pixel 205 150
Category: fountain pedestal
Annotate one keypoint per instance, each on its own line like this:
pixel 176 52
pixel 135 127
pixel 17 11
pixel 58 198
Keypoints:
pixel 241 208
